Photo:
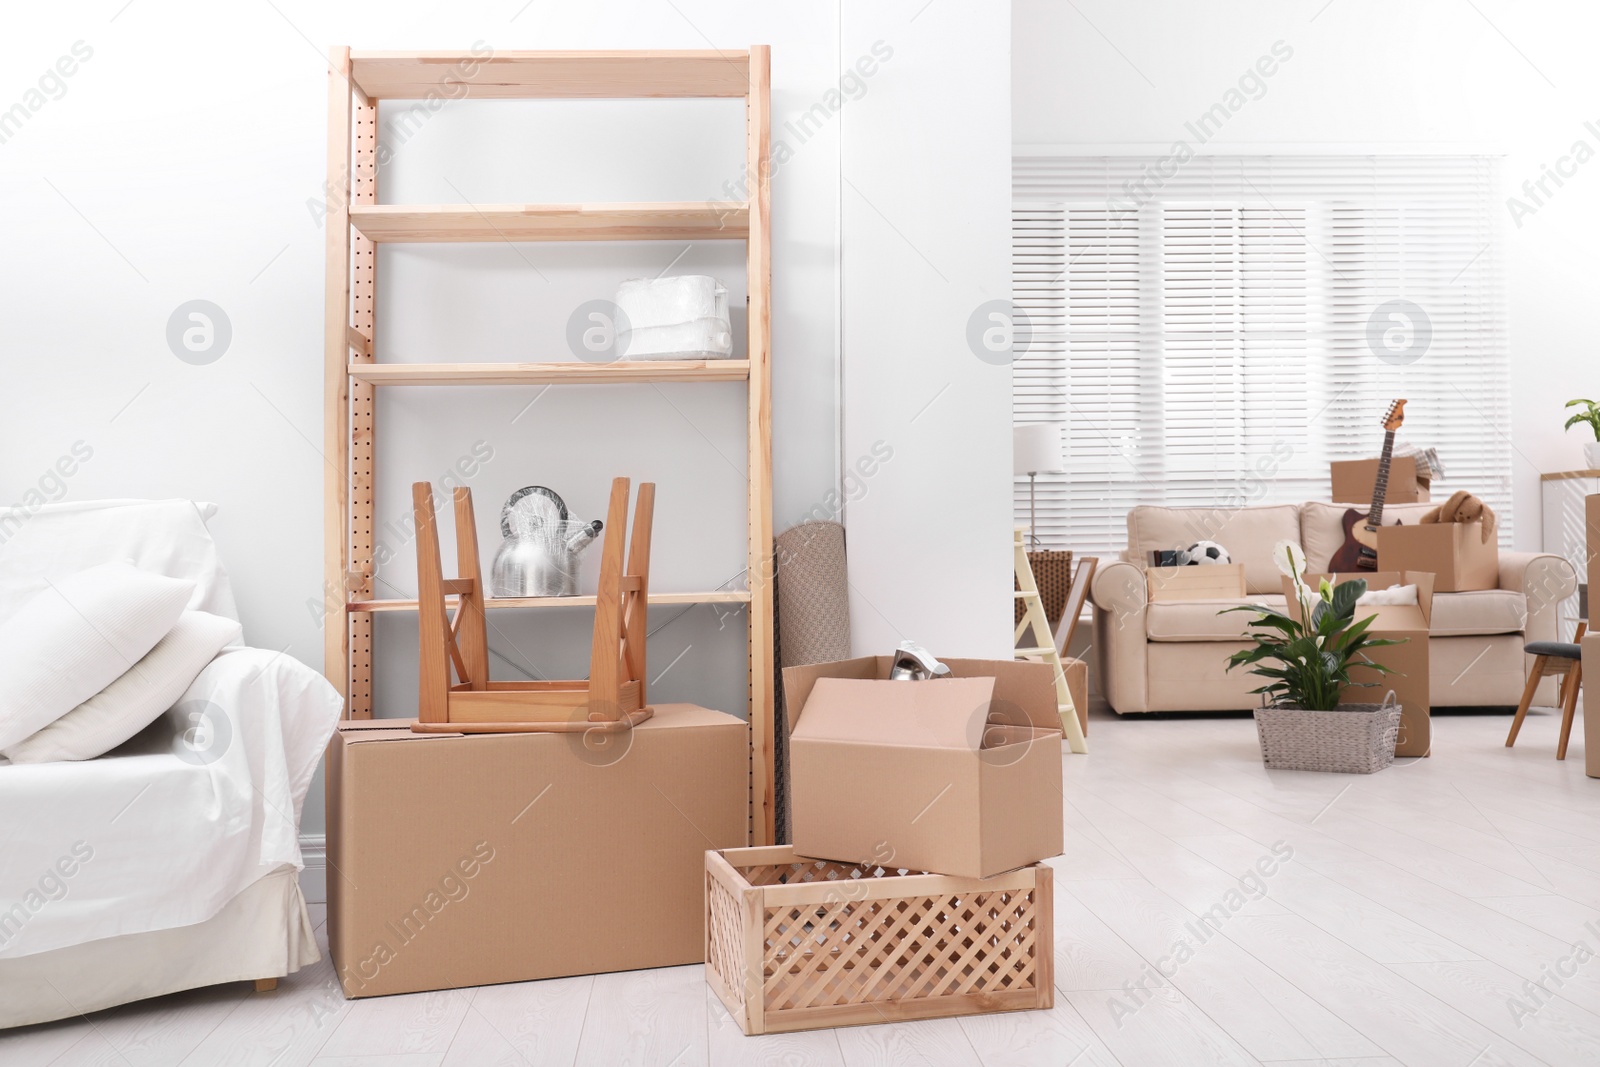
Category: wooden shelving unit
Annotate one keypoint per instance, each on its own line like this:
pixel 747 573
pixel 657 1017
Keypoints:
pixel 357 223
pixel 711 370
pixel 551 222
pixel 721 596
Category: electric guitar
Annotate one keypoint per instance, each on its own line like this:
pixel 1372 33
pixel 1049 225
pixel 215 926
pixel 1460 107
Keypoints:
pixel 1360 548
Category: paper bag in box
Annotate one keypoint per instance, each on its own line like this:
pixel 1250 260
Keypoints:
pixel 933 776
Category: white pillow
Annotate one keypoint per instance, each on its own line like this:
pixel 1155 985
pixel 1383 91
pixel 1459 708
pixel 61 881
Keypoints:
pixel 136 699
pixel 77 636
pixel 162 536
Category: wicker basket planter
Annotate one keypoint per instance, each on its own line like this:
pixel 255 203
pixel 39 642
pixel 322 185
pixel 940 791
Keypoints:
pixel 797 944
pixel 1351 739
pixel 1052 573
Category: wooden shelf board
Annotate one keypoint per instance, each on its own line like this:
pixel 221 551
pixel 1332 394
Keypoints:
pixel 553 75
pixel 693 220
pixel 720 596
pixel 572 373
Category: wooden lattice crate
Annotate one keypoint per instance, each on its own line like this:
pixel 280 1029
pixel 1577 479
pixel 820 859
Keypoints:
pixel 797 944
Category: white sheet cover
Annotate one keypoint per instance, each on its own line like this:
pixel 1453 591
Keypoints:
pixel 160 834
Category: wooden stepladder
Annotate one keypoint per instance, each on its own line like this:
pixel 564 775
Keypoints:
pixel 613 697
pixel 1035 641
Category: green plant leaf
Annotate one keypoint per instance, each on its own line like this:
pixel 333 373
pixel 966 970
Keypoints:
pixel 1345 595
pixel 1258 609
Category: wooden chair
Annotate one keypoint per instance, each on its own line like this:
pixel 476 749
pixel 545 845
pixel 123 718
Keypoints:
pixel 613 696
pixel 1561 658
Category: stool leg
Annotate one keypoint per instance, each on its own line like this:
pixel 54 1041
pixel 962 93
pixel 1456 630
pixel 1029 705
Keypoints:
pixel 1569 706
pixel 1535 675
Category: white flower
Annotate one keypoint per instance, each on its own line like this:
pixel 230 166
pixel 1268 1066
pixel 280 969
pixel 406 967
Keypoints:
pixel 1290 558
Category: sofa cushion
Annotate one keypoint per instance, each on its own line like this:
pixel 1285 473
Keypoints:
pixel 1198 620
pixel 1478 613
pixel 1247 533
pixel 1322 527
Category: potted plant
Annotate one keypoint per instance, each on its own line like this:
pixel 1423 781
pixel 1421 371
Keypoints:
pixel 1307 660
pixel 1590 417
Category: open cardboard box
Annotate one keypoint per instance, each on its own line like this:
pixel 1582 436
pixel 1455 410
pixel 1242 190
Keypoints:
pixel 958 776
pixel 1409 661
pixel 1454 551
pixel 457 860
pixel 1201 581
pixel 1354 479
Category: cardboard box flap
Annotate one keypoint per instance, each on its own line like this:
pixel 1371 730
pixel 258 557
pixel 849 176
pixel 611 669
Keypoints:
pixel 947 714
pixel 1024 691
pixel 797 681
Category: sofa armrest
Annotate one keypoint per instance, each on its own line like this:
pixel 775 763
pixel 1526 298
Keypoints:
pixel 1545 580
pixel 1119 588
pixel 1120 596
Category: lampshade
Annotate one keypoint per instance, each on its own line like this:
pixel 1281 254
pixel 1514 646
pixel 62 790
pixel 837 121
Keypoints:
pixel 1036 448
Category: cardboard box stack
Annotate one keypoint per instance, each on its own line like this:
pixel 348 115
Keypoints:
pixel 920 811
pixel 1409 660
pixel 460 860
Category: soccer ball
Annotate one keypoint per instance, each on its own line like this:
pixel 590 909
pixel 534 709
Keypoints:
pixel 1204 552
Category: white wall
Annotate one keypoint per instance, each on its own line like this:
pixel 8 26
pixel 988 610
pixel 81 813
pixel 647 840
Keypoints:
pixel 180 160
pixel 927 222
pixel 1495 76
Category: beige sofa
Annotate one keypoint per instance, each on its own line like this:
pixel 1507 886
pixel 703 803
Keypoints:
pixel 1171 656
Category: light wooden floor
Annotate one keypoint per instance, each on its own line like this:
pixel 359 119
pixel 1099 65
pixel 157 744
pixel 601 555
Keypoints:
pixel 1415 906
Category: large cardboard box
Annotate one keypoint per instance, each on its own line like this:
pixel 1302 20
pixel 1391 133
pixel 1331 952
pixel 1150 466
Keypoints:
pixel 958 776
pixel 1353 481
pixel 1454 551
pixel 458 860
pixel 1409 661
pixel 1591 514
pixel 1591 697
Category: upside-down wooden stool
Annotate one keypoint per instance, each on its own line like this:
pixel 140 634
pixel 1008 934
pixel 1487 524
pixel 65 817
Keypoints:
pixel 612 698
pixel 1554 657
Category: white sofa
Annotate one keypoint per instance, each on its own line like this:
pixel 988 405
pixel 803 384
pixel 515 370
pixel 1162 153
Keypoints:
pixel 1172 656
pixel 158 866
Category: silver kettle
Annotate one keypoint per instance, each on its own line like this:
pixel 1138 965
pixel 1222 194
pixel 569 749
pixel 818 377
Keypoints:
pixel 539 554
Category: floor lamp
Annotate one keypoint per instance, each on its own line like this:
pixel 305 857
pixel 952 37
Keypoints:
pixel 1036 450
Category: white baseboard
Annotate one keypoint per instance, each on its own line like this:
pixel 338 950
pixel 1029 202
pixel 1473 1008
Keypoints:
pixel 314 879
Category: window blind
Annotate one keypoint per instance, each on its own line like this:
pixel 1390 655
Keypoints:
pixel 1214 332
